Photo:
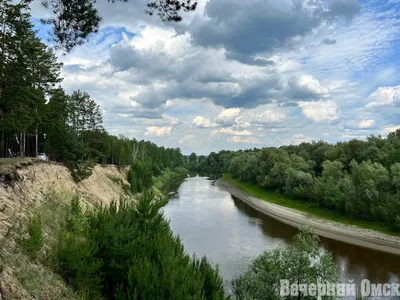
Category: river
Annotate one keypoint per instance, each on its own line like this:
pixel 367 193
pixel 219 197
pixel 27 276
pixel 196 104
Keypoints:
pixel 231 234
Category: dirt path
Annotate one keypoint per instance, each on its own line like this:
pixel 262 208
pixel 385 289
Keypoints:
pixel 330 229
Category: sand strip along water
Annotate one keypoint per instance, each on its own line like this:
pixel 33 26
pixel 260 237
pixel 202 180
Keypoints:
pixel 341 232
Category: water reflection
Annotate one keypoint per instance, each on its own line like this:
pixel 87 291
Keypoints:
pixel 269 226
pixel 212 222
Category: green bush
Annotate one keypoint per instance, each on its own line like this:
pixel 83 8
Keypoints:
pixel 140 176
pixel 81 170
pixel 34 242
pixel 127 251
pixel 73 222
pixel 397 223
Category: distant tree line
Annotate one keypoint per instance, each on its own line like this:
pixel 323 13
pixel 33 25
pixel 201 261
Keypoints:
pixel 360 179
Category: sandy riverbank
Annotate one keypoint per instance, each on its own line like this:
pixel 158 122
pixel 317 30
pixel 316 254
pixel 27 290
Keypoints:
pixel 333 230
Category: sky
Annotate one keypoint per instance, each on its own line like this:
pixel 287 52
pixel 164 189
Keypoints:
pixel 239 74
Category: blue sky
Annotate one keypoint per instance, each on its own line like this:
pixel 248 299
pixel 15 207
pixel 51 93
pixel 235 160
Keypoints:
pixel 240 74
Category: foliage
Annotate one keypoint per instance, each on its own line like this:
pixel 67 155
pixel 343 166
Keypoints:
pixel 81 170
pixel 34 242
pixel 358 179
pixel 302 262
pixel 28 72
pixel 74 20
pixel 140 176
pixel 127 251
pixel 169 175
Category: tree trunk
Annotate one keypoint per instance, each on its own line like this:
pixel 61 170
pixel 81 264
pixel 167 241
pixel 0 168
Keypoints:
pixel 24 143
pixel 21 146
pixel 36 141
pixel 3 151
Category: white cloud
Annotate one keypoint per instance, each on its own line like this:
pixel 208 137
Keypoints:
pixel 230 131
pixel 296 139
pixel 306 87
pixel 384 96
pixel 187 139
pixel 158 131
pixel 202 122
pixel 388 129
pixel 227 117
pixel 270 117
pixel 364 124
pixel 243 140
pixel 162 80
pixel 320 111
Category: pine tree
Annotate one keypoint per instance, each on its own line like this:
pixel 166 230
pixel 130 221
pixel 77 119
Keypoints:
pixel 28 70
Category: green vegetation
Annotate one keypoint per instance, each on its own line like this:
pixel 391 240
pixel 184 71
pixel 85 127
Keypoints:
pixel 69 128
pixel 140 176
pixel 24 251
pixel 127 251
pixel 311 208
pixel 300 262
pixel 168 176
pixel 355 182
pixel 34 242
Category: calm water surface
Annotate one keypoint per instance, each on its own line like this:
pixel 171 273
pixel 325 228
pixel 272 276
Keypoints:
pixel 231 234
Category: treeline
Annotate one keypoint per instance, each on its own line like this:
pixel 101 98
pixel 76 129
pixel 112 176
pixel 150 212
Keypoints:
pixel 360 179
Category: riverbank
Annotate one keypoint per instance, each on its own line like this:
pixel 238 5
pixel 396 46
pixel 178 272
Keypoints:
pixel 334 230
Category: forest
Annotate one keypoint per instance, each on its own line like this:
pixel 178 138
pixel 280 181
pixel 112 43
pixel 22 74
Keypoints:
pixel 38 116
pixel 360 179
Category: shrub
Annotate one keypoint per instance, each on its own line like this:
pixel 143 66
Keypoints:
pixel 81 170
pixel 397 223
pixel 34 243
pixel 140 176
pixel 127 251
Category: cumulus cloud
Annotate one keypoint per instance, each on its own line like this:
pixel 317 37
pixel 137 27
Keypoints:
pixel 384 96
pixel 158 131
pixel 320 111
pixel 366 124
pixel 305 87
pixel 263 26
pixel 227 117
pixel 236 68
pixel 391 128
pixel 270 117
pixel 202 122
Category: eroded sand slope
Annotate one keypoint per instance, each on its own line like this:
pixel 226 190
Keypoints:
pixel 22 190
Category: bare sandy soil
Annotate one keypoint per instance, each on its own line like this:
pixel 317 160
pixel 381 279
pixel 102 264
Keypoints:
pixel 333 230
pixel 23 186
pixel 31 181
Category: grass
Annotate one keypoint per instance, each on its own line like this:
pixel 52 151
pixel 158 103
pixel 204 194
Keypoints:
pixel 307 207
pixel 115 179
pixel 9 163
pixel 33 277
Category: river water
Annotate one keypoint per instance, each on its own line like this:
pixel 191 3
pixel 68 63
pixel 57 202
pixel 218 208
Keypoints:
pixel 231 234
